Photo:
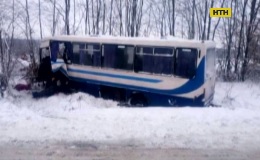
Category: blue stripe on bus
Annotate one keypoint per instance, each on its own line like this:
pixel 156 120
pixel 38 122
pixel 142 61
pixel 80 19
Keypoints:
pixel 115 76
pixel 194 83
pixel 57 62
pixel 189 86
pixel 55 70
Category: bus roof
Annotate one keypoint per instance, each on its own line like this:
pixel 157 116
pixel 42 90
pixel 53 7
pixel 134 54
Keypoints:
pixel 144 41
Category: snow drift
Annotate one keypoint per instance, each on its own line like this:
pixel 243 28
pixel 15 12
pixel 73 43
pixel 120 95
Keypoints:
pixel 80 117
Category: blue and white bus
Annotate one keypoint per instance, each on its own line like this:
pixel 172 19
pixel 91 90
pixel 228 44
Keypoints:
pixel 138 71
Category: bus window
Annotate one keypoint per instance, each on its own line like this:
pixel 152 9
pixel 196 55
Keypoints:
pixel 129 57
pixel 138 60
pixel 163 60
pixel 87 54
pixel 76 53
pixel 61 50
pixel 44 52
pixel 186 62
pixel 147 50
pixel 95 50
pixel 163 51
pixel 118 56
pixel 144 60
pixel 109 56
pixel 68 53
pixel 84 59
pixel 54 50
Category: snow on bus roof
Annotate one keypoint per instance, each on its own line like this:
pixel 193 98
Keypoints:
pixel 154 41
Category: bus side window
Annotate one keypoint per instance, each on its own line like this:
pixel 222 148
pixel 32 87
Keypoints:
pixel 96 58
pixel 54 50
pixel 118 56
pixel 68 53
pixel 83 57
pixel 76 53
pixel 144 60
pixel 109 52
pixel 186 62
pixel 129 54
pixel 138 60
pixel 61 50
pixel 102 56
pixel 163 60
pixel 124 57
pixel 87 54
pixel 44 52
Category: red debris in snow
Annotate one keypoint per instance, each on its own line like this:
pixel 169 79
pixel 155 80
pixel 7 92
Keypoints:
pixel 20 87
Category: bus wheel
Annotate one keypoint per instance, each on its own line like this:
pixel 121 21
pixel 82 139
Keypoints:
pixel 138 100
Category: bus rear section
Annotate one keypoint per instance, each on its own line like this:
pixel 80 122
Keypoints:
pixel 210 75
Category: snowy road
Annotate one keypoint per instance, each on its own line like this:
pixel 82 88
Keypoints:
pixel 234 127
pixel 81 151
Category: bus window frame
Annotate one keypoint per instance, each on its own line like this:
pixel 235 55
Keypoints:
pixel 176 63
pixel 172 55
pixel 137 54
pixel 117 45
pixel 41 53
pixel 156 55
pixel 85 49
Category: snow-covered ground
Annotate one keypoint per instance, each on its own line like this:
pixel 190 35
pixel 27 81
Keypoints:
pixel 80 117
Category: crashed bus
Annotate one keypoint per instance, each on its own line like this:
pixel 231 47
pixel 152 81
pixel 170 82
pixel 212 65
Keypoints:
pixel 136 71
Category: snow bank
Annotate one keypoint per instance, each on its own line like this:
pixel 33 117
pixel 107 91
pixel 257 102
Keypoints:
pixel 24 63
pixel 80 117
pixel 238 95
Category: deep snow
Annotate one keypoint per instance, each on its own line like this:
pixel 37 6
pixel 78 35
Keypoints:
pixel 80 117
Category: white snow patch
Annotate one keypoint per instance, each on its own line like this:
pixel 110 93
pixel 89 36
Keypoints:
pixel 23 62
pixel 81 117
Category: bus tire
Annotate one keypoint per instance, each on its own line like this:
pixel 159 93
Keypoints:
pixel 138 100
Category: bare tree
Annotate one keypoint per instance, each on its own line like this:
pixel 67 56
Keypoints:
pixel 93 17
pixel 120 14
pixel 6 46
pixel 74 17
pixel 192 35
pixel 67 14
pixel 139 18
pixel 133 20
pixel 30 42
pixel 241 33
pixel 104 18
pixel 229 31
pixel 205 21
pixel 148 23
pixel 40 17
pixel 128 17
pixel 98 10
pixel 172 17
pixel 54 20
pixel 162 19
pixel 110 16
pixel 252 26
pixel 87 21
pixel 216 25
pixel 209 22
